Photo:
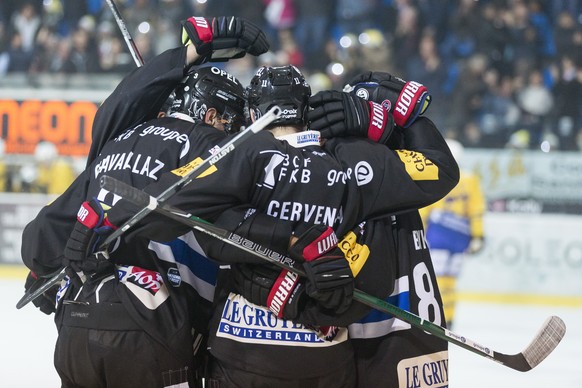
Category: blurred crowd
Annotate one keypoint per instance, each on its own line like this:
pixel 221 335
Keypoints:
pixel 502 73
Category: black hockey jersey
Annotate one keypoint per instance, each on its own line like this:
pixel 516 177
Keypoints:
pixel 340 185
pixel 137 98
pixel 165 292
pixel 391 353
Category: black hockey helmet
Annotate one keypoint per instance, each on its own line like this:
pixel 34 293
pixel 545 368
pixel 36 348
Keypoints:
pixel 211 87
pixel 284 86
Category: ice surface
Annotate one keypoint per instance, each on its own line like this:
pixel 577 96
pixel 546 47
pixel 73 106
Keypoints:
pixel 28 338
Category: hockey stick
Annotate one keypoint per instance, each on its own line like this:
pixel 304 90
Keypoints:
pixel 57 276
pixel 54 278
pixel 545 341
pixel 228 147
pixel 126 35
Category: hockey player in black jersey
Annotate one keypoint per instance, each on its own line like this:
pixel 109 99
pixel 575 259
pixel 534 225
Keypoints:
pixel 388 352
pixel 391 353
pixel 143 304
pixel 286 174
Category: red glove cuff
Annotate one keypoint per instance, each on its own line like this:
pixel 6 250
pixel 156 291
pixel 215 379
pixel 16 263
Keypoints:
pixel 91 218
pixel 406 102
pixel 324 243
pixel 203 30
pixel 88 216
pixel 378 120
pixel 281 291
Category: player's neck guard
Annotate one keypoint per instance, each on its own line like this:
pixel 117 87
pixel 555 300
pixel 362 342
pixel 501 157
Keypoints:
pixel 302 139
pixel 181 116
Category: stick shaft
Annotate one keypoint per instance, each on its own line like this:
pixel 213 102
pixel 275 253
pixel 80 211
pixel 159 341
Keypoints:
pixel 126 35
pixel 543 344
pixel 257 126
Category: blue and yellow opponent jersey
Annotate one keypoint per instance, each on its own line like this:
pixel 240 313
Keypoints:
pixel 457 218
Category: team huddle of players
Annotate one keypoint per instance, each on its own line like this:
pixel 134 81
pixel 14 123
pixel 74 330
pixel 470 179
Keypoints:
pixel 335 183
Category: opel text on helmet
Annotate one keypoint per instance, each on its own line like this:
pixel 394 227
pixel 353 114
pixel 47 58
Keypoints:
pixel 211 87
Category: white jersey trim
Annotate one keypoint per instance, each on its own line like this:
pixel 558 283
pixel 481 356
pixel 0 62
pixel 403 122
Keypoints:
pixel 302 139
pixel 382 328
pixel 164 252
pixel 243 321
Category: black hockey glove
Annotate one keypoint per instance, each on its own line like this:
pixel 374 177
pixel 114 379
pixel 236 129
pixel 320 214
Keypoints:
pixel 279 290
pixel 223 38
pixel 82 252
pixel 46 302
pixel 337 114
pixel 405 100
pixel 329 278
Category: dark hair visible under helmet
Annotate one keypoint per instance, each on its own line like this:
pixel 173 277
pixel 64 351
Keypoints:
pixel 284 86
pixel 211 87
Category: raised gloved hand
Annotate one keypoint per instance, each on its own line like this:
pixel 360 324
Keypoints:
pixel 82 251
pixel 223 38
pixel 329 278
pixel 279 290
pixel 46 302
pixel 337 114
pixel 405 100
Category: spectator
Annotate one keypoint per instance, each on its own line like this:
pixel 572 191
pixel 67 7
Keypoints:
pixel 536 102
pixel 428 68
pixel 26 23
pixel 47 44
pixel 288 52
pixel 435 43
pixel 280 15
pixel 83 57
pixel 466 100
pixel 523 38
pixel 564 33
pixel 491 37
pixel 568 96
pixel 406 34
pixel 354 16
pixel 375 52
pixel 461 39
pixel 18 59
pixel 312 30
pixel 72 12
pixel 499 113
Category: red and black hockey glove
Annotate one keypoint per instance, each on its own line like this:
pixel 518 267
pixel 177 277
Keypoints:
pixel 47 301
pixel 264 285
pixel 406 100
pixel 329 278
pixel 222 38
pixel 82 251
pixel 338 114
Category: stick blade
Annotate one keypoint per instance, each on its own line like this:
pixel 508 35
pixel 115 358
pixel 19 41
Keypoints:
pixel 544 343
pixel 29 296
